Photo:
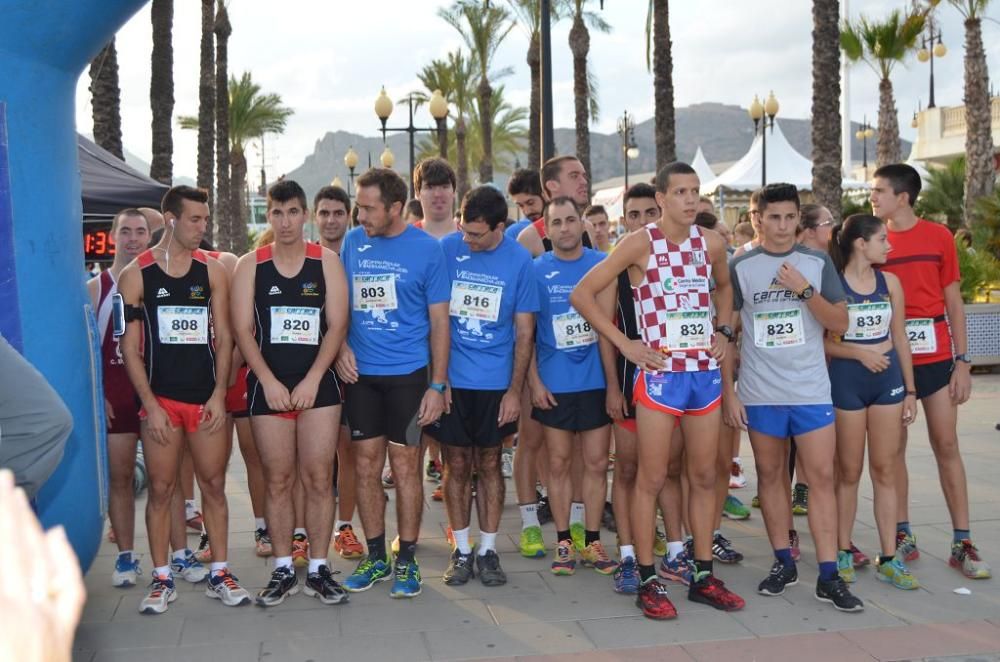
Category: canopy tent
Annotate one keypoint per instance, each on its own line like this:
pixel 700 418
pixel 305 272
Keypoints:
pixel 700 165
pixel 109 185
pixel 611 199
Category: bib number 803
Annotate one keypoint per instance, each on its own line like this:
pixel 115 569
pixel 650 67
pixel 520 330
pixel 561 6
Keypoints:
pixel 372 292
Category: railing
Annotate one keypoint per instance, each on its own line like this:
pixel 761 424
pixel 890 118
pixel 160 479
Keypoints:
pixel 953 119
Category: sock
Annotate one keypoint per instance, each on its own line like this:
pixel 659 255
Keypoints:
pixel 218 566
pixel 885 558
pixel 299 531
pixel 127 555
pixel 626 551
pixel 376 547
pixel 407 550
pixel 958 535
pixel 576 511
pixel 702 567
pixel 827 570
pixel 716 533
pixel 563 535
pixel 163 571
pixel 646 572
pixel 462 540
pixel 529 515
pixel 314 564
pixel 189 508
pixel 282 562
pixel 591 536
pixel 903 526
pixel 487 542
pixel 260 523
pixel 673 549
pixel 785 556
pixel 181 554
pixel 339 526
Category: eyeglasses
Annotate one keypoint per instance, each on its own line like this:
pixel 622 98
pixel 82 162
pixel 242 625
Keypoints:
pixel 824 224
pixel 474 236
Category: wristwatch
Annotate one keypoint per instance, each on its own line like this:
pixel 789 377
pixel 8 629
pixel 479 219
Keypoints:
pixel 964 358
pixel 807 293
pixel 439 386
pixel 726 331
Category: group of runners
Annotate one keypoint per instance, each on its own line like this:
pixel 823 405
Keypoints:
pixel 459 334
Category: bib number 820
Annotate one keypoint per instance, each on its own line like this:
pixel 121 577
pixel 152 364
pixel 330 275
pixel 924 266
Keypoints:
pixel 296 325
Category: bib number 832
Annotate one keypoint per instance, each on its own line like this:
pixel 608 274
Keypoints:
pixel 692 329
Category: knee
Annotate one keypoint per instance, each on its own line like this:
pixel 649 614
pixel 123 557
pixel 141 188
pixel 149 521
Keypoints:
pixel 318 479
pixel 213 487
pixel 161 490
pixel 649 482
pixel 625 472
pixel 820 478
pixel 883 473
pixel 559 466
pixel 280 481
pixel 702 478
pixel 945 448
pixel 457 466
pixel 121 476
pixel 596 464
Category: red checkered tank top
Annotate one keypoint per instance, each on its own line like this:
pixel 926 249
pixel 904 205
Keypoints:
pixel 673 301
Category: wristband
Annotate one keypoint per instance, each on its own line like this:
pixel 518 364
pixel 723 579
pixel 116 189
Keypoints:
pixel 439 386
pixel 911 393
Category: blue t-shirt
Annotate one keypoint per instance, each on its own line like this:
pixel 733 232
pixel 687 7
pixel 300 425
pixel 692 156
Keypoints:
pixel 515 229
pixel 391 282
pixel 567 353
pixel 487 289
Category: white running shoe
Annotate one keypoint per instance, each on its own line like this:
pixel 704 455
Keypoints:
pixel 161 594
pixel 190 569
pixel 223 586
pixel 737 479
pixel 507 462
pixel 126 571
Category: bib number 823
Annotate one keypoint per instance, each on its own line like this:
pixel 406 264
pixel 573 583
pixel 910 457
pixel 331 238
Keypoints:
pixel 780 328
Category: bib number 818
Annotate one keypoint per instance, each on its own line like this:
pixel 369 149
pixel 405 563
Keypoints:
pixel 579 327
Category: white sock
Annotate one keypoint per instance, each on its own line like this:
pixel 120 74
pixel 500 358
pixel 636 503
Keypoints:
pixel 163 571
pixel 626 551
pixel 217 566
pixel 260 523
pixel 180 554
pixel 673 549
pixel 529 515
pixel 487 542
pixel 462 540
pixel 189 508
pixel 127 552
pixel 299 531
pixel 576 511
pixel 282 562
pixel 314 564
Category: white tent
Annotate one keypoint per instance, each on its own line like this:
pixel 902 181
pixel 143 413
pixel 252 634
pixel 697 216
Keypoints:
pixel 700 165
pixel 611 199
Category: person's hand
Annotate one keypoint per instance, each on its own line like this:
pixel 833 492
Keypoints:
pixel 510 408
pixel 614 404
pixel 542 397
pixel 734 414
pixel 909 409
pixel 643 356
pixel 277 396
pixel 213 414
pixel 346 365
pixel 157 425
pixel 874 361
pixel 431 407
pixel 303 396
pixel 109 412
pixel 42 592
pixel 720 343
pixel 960 384
pixel 791 278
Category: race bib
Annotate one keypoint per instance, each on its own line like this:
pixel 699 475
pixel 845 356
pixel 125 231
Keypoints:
pixel 778 328
pixel 922 336
pixel 293 325
pixel 475 301
pixel 376 292
pixel 183 325
pixel 868 321
pixel 689 330
pixel 572 331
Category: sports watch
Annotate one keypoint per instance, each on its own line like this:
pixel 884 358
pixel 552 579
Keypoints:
pixel 807 293
pixel 964 358
pixel 439 386
pixel 726 331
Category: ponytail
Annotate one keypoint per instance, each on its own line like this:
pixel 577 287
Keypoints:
pixel 838 254
pixel 856 226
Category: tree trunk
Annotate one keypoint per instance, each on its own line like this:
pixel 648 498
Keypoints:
pixel 206 108
pixel 826 152
pixel 663 85
pixel 887 144
pixel 462 169
pixel 486 122
pixel 239 240
pixel 106 100
pixel 535 104
pixel 161 92
pixel 979 174
pixel 223 197
pixel 579 45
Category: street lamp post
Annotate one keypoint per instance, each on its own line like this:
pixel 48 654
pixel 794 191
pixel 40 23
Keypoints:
pixel 863 134
pixel 626 130
pixel 548 142
pixel 383 109
pixel 763 115
pixel 929 51
pixel 351 161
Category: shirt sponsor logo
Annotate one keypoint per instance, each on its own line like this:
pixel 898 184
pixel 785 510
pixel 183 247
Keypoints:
pixel 896 391
pixel 685 284
pixel 310 289
pixel 551 275
pixel 274 290
pixel 362 249
pixel 462 258
pixel 697 257
pixel 197 293
pixel 162 292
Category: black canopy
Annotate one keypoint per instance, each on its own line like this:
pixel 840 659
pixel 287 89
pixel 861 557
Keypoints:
pixel 109 184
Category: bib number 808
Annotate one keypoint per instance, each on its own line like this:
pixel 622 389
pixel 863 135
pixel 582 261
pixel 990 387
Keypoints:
pixel 184 325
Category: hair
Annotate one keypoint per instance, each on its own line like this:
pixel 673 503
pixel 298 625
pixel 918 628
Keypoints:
pixel 902 178
pixel 433 171
pixel 594 210
pixel 561 200
pixel 552 168
pixel 964 236
pixel 744 228
pixel 779 192
pixel 707 220
pixel 673 168
pixel 809 216
pixel 525 180
pixel 128 211
pixel 484 204
pixel 333 193
pixel 415 209
pixel 640 190
pixel 856 226
pixel 755 197
pixel 264 238
pixel 391 186
pixel 173 199
pixel 286 190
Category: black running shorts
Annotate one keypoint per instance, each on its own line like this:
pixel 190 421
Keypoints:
pixel 576 412
pixel 472 422
pixel 385 406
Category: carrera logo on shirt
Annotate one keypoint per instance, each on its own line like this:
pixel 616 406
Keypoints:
pixel 162 292
pixel 197 293
pixel 551 275
pixel 362 249
pixel 310 289
pixel 274 290
pixel 775 293
pixel 462 258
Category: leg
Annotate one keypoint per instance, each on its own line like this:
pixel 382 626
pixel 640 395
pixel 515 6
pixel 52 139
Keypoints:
pixel 316 440
pixel 406 469
pixel 771 461
pixel 942 421
pixel 370 458
pixel 885 429
pixel 187 477
pixel 817 449
pixel 255 472
pixel 121 500
pixel 457 476
pixel 491 488
pixel 275 441
pixel 902 481
pixel 701 434
pixel 210 452
pixel 671 496
pixel 559 444
pixel 346 477
pixel 851 429
pixel 652 462
pixel 162 463
pixel 594 461
pixel 623 483
pixel 529 446
pixel 178 522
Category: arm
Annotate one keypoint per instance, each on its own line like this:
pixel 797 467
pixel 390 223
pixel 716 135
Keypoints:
pixel 541 396
pixel 875 361
pixel 723 292
pixel 831 316
pixel 94 290
pixel 530 239
pixel 901 343
pixel 215 409
pixel 433 403
pixel 734 414
pixel 614 401
pixel 960 386
pixel 510 404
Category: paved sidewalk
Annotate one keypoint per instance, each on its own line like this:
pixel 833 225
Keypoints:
pixel 537 614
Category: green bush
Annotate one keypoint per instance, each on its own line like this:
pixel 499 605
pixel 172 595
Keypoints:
pixel 979 267
pixel 943 197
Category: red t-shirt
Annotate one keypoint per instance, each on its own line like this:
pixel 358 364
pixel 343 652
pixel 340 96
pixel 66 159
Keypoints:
pixel 925 261
pixel 540 226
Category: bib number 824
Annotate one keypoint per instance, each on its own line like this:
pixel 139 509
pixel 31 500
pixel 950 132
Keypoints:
pixel 917 336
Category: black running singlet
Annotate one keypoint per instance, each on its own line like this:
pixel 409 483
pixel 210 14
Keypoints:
pixel 178 352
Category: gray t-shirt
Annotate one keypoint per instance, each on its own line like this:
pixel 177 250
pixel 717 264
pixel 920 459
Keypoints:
pixel 782 351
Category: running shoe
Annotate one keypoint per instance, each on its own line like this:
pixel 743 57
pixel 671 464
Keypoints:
pixel 579 535
pixel 755 501
pixel 438 493
pixel 490 572
pixel 737 478
pixel 204 551
pixel 460 569
pixel 507 462
pixel 722 550
pixel 654 602
pixel 679 569
pixel 347 544
pixel 780 577
pixel 532 545
pixel 406 580
pixel 222 585
pixel 660 542
pixel 611 461
pixel 708 589
pixel 189 568
pixel 262 543
pixel 689 547
pixel 544 510
pixel 906 546
pixel 845 567
pixel 627 577
pixel 858 558
pixel 594 556
pixel 320 585
pixel 608 518
pixel 300 550
pixel 388 482
pixel 565 561
pixel 800 499
pixel 126 571
pixel 368 572
pixel 195 521
pixel 160 594
pixel 896 573
pixel 793 544
pixel 433 471
pixel 965 557
pixel 733 508
pixel 282 584
pixel 835 592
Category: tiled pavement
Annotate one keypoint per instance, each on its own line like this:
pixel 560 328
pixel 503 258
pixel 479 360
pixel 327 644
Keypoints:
pixel 579 617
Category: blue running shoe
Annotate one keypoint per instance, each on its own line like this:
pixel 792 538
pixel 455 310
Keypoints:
pixel 190 569
pixel 406 583
pixel 126 571
pixel 680 569
pixel 627 577
pixel 368 572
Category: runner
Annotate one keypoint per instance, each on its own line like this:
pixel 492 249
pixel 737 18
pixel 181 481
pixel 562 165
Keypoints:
pixel 669 267
pixel 493 301
pixel 399 296
pixel 175 288
pixel 562 176
pixel 787 296
pixel 597 216
pixel 753 212
pixel 871 377
pixel 525 188
pixel 926 262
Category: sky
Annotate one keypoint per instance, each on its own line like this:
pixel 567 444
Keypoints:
pixel 328 59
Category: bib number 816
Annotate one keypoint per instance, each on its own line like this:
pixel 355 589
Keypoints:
pixel 478 302
pixel 184 325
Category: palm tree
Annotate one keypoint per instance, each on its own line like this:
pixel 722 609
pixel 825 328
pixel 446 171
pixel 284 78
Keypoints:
pixel 206 104
pixel 161 91
pixel 882 45
pixel 584 85
pixel 942 199
pixel 826 152
pixel 662 67
pixel 106 100
pixel 483 28
pixel 224 196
